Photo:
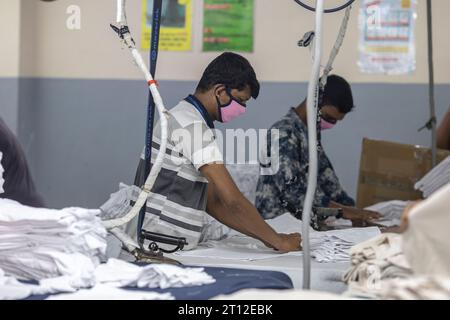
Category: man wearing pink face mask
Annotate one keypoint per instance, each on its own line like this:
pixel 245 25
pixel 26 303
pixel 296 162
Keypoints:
pixel 285 190
pixel 194 183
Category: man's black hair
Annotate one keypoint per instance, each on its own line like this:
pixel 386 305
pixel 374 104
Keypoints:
pixel 231 70
pixel 338 94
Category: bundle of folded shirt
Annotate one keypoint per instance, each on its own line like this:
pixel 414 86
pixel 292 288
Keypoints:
pixel 375 260
pixel 390 211
pixel 438 177
pixel 38 243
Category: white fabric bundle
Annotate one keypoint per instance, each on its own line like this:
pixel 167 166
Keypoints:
pixel 438 177
pixel 426 242
pixel 37 243
pixel 390 211
pixel 2 181
pixel 375 260
pixel 326 246
pixel 11 289
pixel 119 273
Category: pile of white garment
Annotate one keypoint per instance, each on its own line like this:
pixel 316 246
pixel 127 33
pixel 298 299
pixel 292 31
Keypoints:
pixel 375 260
pixel 438 177
pixel 43 244
pixel 390 211
pixel 11 289
pixel 118 273
pixel 2 181
pixel 326 246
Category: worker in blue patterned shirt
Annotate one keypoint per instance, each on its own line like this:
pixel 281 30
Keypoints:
pixel 285 190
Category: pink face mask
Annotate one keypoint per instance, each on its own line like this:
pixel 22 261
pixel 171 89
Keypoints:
pixel 230 111
pixel 325 125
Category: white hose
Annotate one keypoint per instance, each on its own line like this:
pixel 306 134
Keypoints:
pixel 311 106
pixel 336 47
pixel 113 224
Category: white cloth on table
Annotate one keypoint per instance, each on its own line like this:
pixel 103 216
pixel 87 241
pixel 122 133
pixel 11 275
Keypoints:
pixel 2 181
pixel 438 177
pixel 105 292
pixel 11 289
pixel 119 273
pixel 375 260
pixel 327 246
pixel 426 242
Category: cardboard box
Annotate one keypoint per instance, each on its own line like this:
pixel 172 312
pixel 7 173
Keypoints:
pixel 389 170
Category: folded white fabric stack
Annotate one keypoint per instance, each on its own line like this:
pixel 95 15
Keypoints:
pixel 2 181
pixel 390 211
pixel 119 273
pixel 438 177
pixel 326 246
pixel 375 260
pixel 37 243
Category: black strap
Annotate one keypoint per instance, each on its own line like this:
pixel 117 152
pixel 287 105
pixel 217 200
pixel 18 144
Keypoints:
pixel 154 43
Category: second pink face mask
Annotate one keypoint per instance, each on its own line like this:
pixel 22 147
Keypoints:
pixel 325 125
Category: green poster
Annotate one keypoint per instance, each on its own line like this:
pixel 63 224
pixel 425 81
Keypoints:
pixel 228 25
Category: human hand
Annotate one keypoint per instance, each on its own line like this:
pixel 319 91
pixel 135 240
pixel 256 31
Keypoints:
pixel 359 217
pixel 289 242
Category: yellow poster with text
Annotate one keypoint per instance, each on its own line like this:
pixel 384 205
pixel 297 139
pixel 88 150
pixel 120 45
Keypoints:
pixel 176 25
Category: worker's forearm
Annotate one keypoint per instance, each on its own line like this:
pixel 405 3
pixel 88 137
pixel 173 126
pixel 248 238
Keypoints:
pixel 242 216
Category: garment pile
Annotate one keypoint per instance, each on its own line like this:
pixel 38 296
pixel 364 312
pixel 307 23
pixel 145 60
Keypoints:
pixel 438 177
pixel 47 251
pixel 119 273
pixel 326 246
pixel 375 260
pixel 38 243
pixel 390 211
